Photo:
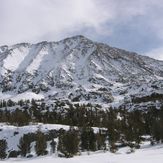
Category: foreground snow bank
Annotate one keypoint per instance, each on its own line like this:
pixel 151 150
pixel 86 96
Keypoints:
pixel 146 154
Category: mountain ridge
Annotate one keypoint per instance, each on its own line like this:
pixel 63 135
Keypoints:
pixel 77 69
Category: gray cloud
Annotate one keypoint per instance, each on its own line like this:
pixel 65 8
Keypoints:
pixel 134 25
pixel 24 20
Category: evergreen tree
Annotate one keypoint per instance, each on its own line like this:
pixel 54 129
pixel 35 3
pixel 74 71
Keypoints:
pixel 24 145
pixel 10 103
pixel 53 146
pixel 3 147
pixel 20 117
pixel 88 139
pixel 69 143
pixel 161 123
pixel 113 138
pixel 101 141
pixel 41 144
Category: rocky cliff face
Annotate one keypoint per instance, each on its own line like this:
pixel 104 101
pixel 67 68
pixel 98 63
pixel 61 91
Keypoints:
pixel 78 69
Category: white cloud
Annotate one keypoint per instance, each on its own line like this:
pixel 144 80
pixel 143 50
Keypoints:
pixel 37 20
pixel 32 20
pixel 156 53
pixel 25 20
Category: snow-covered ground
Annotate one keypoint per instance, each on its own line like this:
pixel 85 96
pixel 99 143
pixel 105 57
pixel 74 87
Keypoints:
pixel 8 132
pixel 146 154
pixel 22 96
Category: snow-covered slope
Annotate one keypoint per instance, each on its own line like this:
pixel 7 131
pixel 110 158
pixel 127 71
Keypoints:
pixel 12 134
pixel 77 69
pixel 146 154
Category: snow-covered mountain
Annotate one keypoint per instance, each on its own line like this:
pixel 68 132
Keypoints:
pixel 77 69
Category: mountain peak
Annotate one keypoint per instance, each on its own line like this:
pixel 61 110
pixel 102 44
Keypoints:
pixel 77 39
pixel 73 66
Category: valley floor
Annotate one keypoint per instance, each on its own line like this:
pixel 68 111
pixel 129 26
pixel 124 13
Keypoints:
pixel 147 154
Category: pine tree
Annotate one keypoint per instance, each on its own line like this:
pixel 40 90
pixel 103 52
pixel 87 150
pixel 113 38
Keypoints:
pixel 113 137
pixel 69 143
pixel 10 103
pixel 41 144
pixel 161 123
pixel 156 132
pixel 24 145
pixel 101 141
pixel 3 147
pixel 88 139
pixel 20 117
pixel 53 146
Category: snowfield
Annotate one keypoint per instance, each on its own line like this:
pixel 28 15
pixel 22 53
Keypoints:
pixel 146 154
pixel 7 132
pixel 21 96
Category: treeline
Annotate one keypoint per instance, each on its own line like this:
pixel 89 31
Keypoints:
pixel 63 143
pixel 153 97
pixel 122 126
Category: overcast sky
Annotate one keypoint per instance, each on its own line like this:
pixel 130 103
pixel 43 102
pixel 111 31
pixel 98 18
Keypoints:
pixel 135 25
